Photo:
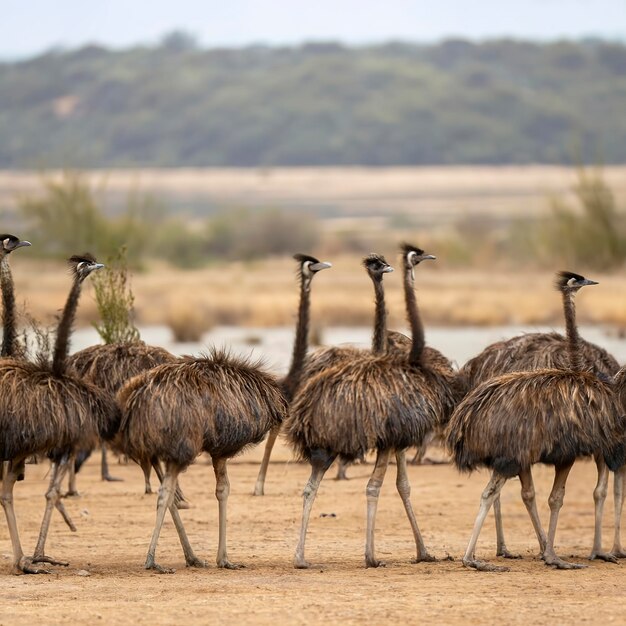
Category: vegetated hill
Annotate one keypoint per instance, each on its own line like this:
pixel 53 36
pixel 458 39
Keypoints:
pixel 316 104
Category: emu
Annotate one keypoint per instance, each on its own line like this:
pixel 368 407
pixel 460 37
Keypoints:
pixel 551 416
pixel 44 410
pixel 375 402
pixel 216 404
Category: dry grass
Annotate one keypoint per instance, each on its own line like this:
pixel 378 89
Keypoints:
pixel 264 294
pixel 431 195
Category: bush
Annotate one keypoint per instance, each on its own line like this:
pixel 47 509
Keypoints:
pixel 114 299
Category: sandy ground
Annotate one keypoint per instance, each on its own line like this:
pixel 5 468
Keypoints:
pixel 115 520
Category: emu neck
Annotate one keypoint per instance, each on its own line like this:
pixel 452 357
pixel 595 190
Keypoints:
pixel 301 342
pixel 9 333
pixel 379 338
pixel 573 339
pixel 62 344
pixel 413 316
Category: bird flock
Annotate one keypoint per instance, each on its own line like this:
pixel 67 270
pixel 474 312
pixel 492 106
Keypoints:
pixel 537 398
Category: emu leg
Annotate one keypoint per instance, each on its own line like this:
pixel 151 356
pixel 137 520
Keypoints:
pixel 104 468
pixel 556 502
pixel 501 549
pixel 618 498
pixel 341 470
pixel 490 493
pixel 372 491
pixel 21 563
pixel 259 487
pixel 404 489
pixel 146 466
pixel 191 559
pixel 222 490
pixel 166 499
pixel 179 496
pixel 528 497
pixel 599 496
pixel 320 462
pixel 53 499
pixel 72 491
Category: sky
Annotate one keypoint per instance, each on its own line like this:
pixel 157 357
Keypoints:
pixel 28 27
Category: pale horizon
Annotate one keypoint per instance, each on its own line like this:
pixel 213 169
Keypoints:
pixel 116 24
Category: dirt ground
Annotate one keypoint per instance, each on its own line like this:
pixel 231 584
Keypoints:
pixel 115 521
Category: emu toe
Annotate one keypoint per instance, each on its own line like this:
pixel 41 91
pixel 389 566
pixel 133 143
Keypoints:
pixel 558 563
pixel 43 558
pixel 25 566
pixel 603 556
pixel 483 566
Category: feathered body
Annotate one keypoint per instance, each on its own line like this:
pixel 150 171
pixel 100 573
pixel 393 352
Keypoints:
pixel 217 404
pixel 530 352
pixel 41 412
pixel 515 420
pixel 109 366
pixel 367 404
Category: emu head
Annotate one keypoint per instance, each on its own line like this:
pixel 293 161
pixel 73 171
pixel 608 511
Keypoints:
pixel 568 282
pixel 308 266
pixel 376 266
pixel 10 243
pixel 81 265
pixel 413 256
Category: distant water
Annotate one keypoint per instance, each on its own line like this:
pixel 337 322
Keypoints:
pixel 273 345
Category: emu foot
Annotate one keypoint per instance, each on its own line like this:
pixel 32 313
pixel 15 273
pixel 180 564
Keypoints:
pixel 194 561
pixel 483 566
pixel 111 479
pixel 425 558
pixel 43 558
pixel 374 562
pixel 159 569
pixel 259 490
pixel 556 562
pixel 71 493
pixel 341 474
pixel 603 556
pixel 300 562
pixel 429 461
pixel 25 566
pixel 505 554
pixel 226 564
pixel 182 504
pixel 618 553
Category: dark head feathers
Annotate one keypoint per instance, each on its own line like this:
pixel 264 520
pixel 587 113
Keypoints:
pixel 570 280
pixel 302 258
pixel 405 248
pixel 374 259
pixel 85 257
pixel 11 242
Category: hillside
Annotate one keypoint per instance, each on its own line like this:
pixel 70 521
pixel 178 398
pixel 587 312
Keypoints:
pixel 499 102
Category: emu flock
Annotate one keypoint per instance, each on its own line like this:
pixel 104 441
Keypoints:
pixel 536 398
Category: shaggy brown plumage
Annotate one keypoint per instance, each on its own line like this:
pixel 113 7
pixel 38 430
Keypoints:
pixel 368 404
pixel 43 413
pixel 109 366
pixel 217 404
pixel 530 352
pixel 547 416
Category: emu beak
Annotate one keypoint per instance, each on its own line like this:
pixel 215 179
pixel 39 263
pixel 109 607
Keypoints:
pixel 588 282
pixel 428 257
pixel 98 266
pixel 388 269
pixel 23 243
pixel 316 267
